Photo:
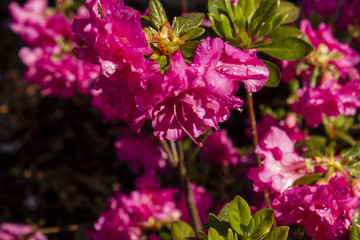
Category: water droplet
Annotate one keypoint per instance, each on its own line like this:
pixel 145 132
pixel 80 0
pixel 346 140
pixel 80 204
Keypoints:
pixel 213 83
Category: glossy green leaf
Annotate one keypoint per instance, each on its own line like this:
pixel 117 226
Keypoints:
pixel 315 147
pixel 354 169
pixel 352 152
pixel 203 236
pixel 262 223
pixel 213 234
pixel 292 11
pixel 189 48
pixel 247 7
pixel 278 20
pixel 181 230
pixel 355 232
pixel 239 215
pixel 356 217
pixel 224 213
pixel 230 10
pixel 226 29
pixel 216 7
pixel 220 226
pixel 188 22
pixel 216 24
pixel 287 49
pixel 285 32
pixel 309 179
pixel 157 14
pixel 264 29
pixel 275 75
pixel 265 13
pixel 193 33
pixel 279 233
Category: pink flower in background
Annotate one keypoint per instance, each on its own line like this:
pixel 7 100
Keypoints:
pixel 140 152
pixel 281 164
pixel 128 216
pixel 49 61
pixel 203 202
pixel 218 148
pixel 324 42
pixel 323 8
pixel 288 125
pixel 13 231
pixel 349 14
pixel 325 210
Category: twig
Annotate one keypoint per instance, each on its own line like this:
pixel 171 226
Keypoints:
pixel 166 148
pixel 184 6
pixel 250 105
pixel 194 213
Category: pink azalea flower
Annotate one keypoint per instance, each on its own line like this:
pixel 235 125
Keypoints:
pixel 281 164
pixel 129 215
pixel 325 210
pixel 323 8
pixel 218 148
pixel 201 95
pixel 203 202
pixel 113 38
pixel 13 231
pixel 141 152
pixel 49 61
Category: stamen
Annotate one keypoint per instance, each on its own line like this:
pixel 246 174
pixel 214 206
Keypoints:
pixel 184 129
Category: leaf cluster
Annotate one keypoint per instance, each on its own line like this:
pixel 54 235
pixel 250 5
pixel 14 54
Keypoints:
pixel 235 222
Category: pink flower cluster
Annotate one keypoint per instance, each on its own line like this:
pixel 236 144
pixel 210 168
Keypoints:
pixel 325 210
pixel 128 216
pixel 187 98
pixel 48 58
pixel 281 164
pixel 149 207
pixel 141 152
pixel 218 148
pixel 13 231
pixel 336 91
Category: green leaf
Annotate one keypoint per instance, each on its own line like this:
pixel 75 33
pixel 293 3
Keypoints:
pixel 355 232
pixel 230 235
pixel 287 49
pixel 262 223
pixel 309 179
pixel 188 22
pixel 279 233
pixel 354 169
pixel 239 215
pixel 157 14
pixel 189 48
pixel 203 235
pixel 226 29
pixel 181 230
pixel 352 152
pixel 292 11
pixel 220 226
pixel 213 234
pixel 356 218
pixel 315 147
pixel 278 20
pixel 264 29
pixel 274 77
pixel 230 11
pixel 285 32
pixel 247 7
pixel 244 37
pixel 224 213
pixel 265 13
pixel 193 33
pixel 216 24
pixel 215 7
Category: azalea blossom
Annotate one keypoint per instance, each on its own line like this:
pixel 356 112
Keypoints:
pixel 148 207
pixel 281 164
pixel 13 231
pixel 325 210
